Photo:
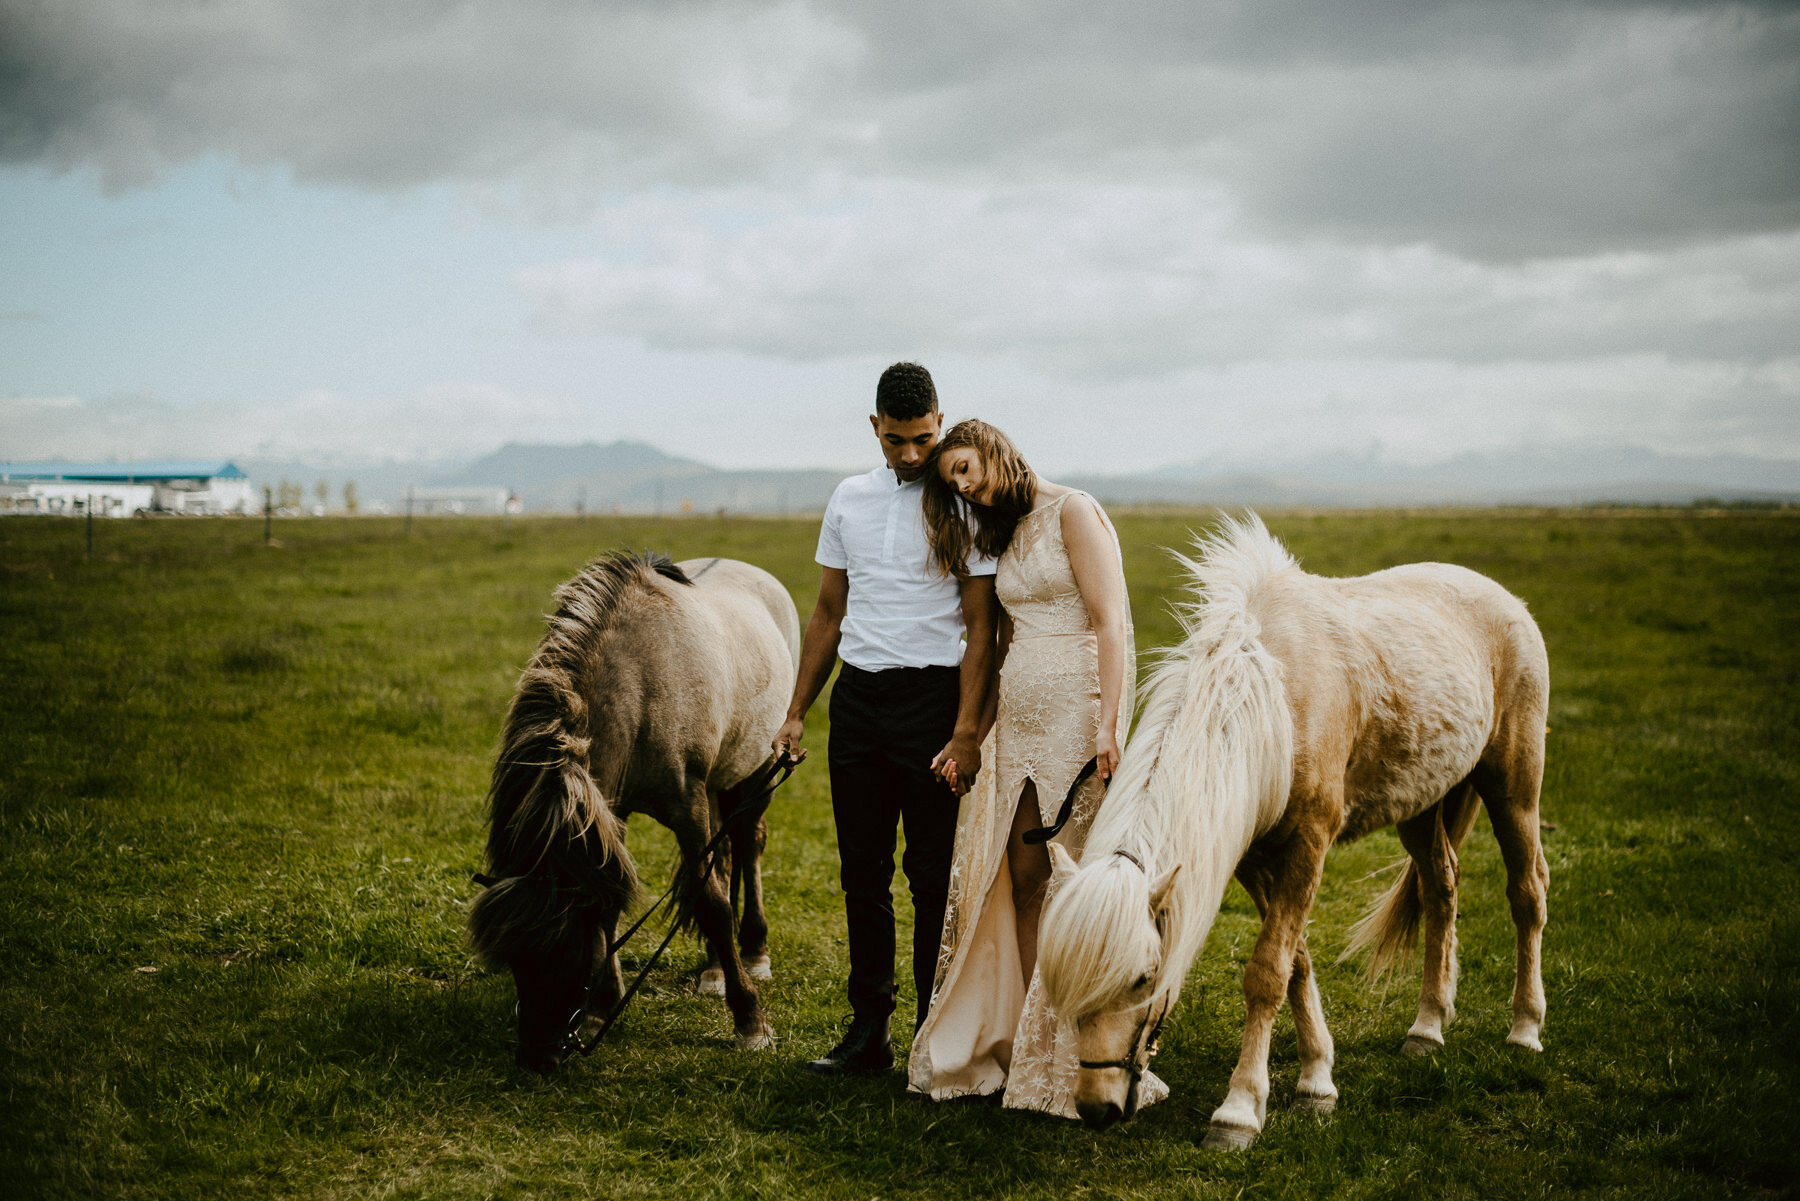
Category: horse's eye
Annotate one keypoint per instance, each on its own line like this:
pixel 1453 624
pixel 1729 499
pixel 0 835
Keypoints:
pixel 1142 981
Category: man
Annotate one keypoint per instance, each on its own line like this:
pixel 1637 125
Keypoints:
pixel 908 691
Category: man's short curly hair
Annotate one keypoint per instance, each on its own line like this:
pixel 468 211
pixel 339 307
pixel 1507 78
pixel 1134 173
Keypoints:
pixel 905 393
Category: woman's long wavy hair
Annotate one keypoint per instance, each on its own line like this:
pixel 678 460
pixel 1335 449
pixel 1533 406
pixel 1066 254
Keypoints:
pixel 947 515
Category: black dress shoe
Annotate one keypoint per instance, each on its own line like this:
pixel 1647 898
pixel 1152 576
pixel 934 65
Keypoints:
pixel 864 1051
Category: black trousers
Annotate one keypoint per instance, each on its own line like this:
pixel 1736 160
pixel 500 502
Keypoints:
pixel 885 728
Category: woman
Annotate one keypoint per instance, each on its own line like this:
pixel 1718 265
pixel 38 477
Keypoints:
pixel 1067 670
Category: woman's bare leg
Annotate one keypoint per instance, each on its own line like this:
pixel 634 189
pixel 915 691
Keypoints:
pixel 1030 868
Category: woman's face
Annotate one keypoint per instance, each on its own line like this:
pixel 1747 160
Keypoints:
pixel 966 474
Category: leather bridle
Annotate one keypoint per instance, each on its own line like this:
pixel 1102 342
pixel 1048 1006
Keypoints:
pixel 1137 1061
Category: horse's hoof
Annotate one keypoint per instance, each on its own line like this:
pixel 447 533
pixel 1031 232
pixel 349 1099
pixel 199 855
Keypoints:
pixel 759 968
pixel 1525 1042
pixel 1315 1102
pixel 757 1040
pixel 1416 1046
pixel 712 982
pixel 1220 1137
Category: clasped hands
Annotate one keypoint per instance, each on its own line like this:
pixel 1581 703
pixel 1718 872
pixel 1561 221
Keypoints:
pixel 958 764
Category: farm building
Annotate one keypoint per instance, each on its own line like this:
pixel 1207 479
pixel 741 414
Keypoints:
pixel 124 489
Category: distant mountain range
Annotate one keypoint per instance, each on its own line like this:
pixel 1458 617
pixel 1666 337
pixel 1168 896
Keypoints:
pixel 639 478
pixel 635 477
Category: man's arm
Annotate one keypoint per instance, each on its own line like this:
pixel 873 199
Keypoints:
pixel 960 760
pixel 818 655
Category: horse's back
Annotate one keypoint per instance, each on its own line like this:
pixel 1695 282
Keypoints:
pixel 691 678
pixel 1491 623
pixel 1402 680
pixel 750 658
pixel 737 584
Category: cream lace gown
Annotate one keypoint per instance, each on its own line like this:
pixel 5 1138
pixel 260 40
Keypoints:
pixel 987 1030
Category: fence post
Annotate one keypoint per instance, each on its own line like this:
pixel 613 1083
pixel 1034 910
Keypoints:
pixel 268 516
pixel 90 527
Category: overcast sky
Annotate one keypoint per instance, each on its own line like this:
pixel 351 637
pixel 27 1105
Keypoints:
pixel 1130 234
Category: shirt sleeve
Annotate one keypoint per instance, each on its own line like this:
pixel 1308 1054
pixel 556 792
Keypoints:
pixel 831 537
pixel 977 562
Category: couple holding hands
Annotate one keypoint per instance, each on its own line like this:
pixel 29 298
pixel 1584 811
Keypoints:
pixel 981 617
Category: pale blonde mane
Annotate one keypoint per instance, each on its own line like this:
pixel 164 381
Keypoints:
pixel 1208 768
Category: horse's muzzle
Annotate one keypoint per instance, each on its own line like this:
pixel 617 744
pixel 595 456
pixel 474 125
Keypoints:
pixel 1100 1115
pixel 541 1060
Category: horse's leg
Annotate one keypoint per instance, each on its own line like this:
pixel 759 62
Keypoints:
pixel 1293 881
pixel 712 976
pixel 747 843
pixel 712 913
pixel 1314 1091
pixel 1434 856
pixel 743 853
pixel 1511 794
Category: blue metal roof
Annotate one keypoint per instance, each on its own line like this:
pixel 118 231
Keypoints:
pixel 122 473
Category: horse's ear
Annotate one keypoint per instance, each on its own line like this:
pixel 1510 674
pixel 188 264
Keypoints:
pixel 1159 890
pixel 1061 862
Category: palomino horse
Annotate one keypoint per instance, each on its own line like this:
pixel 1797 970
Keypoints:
pixel 1298 712
pixel 656 689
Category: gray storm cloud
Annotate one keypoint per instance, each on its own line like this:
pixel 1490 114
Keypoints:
pixel 1112 278
pixel 1506 129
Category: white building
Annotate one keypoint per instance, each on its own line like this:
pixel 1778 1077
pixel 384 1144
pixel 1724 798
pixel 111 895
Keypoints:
pixel 458 500
pixel 125 489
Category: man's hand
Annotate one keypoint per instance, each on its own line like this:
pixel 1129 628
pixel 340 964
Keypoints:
pixel 958 764
pixel 787 739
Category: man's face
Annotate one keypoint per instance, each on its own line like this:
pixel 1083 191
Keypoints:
pixel 906 443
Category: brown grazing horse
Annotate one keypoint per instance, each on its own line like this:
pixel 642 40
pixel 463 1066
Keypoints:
pixel 656 689
pixel 1299 712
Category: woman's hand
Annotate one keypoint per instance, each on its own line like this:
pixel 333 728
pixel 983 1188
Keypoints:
pixel 958 764
pixel 1106 753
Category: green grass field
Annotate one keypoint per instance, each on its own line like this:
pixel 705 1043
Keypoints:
pixel 241 796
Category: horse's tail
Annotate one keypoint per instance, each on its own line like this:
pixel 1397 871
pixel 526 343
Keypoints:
pixel 1388 932
pixel 549 820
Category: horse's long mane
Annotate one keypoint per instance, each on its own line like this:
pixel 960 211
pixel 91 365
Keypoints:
pixel 553 840
pixel 1208 766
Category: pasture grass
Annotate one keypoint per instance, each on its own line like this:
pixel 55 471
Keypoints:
pixel 241 796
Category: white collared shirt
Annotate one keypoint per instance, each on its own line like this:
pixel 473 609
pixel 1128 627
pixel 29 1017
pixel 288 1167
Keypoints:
pixel 901 611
